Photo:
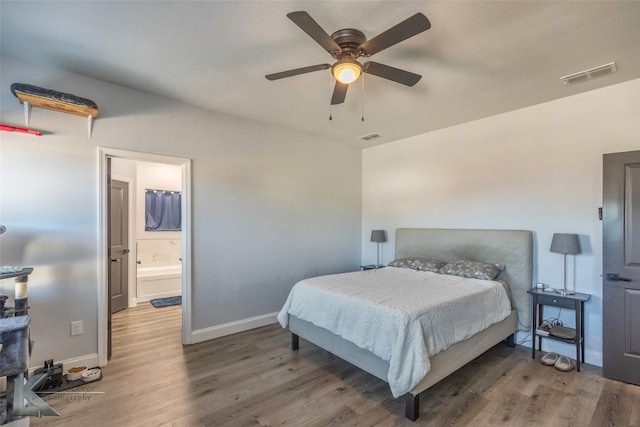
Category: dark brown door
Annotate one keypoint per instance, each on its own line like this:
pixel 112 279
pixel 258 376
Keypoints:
pixel 621 267
pixel 119 249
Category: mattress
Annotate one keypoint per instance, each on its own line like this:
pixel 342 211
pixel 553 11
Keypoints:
pixel 401 315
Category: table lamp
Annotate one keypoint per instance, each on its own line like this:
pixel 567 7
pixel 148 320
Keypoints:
pixel 564 243
pixel 378 236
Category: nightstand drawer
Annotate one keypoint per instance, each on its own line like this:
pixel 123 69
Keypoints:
pixel 556 301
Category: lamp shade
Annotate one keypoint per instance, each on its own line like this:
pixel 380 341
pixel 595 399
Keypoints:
pixel 564 243
pixel 378 236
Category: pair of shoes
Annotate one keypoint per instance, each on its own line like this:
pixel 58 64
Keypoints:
pixel 550 359
pixel 561 363
pixel 564 364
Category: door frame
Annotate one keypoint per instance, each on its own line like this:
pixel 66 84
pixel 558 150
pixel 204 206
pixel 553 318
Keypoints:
pixel 103 284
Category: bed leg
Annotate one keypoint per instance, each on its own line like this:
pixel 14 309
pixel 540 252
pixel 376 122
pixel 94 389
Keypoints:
pixel 412 406
pixel 295 342
pixel 511 341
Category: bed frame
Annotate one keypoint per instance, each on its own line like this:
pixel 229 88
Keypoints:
pixel 513 248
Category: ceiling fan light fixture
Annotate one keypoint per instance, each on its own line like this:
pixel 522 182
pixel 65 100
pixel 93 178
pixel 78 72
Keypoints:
pixel 346 70
pixel 347 45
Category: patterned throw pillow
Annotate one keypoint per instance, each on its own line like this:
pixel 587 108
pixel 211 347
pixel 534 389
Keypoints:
pixel 473 269
pixel 422 264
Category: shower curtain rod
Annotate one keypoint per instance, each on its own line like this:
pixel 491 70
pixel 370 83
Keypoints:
pixel 163 191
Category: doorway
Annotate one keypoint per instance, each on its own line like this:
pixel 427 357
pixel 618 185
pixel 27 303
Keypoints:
pixel 104 300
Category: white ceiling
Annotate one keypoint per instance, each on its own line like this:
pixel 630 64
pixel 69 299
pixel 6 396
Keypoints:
pixel 479 58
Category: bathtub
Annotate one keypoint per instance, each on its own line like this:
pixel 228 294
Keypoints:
pixel 158 282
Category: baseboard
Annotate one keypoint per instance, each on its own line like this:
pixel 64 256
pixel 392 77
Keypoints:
pixel 591 357
pixel 89 360
pixel 233 327
pixel 149 297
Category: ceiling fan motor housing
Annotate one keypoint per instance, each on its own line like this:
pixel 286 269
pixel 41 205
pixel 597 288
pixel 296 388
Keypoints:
pixel 349 40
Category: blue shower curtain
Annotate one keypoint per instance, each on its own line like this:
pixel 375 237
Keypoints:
pixel 162 210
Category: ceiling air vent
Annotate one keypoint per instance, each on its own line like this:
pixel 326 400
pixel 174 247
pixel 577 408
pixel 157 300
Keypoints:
pixel 589 74
pixel 369 136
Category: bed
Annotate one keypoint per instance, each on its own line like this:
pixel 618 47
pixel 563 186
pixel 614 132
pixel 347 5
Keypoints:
pixel 510 248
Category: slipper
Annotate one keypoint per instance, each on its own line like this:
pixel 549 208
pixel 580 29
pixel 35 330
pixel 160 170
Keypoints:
pixel 550 359
pixel 564 364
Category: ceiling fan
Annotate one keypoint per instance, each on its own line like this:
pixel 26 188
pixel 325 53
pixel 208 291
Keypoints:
pixel 349 44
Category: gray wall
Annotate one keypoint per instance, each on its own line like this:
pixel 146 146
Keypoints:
pixel 537 168
pixel 269 207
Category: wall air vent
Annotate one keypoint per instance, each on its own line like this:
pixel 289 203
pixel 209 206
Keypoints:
pixel 589 74
pixel 369 136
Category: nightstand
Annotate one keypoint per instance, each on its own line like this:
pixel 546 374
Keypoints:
pixel 370 267
pixel 575 302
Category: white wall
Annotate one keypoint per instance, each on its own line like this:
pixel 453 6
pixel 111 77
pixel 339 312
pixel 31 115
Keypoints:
pixel 539 169
pixel 269 206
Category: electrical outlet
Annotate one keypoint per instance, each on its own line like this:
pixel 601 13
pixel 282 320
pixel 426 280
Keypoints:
pixel 76 328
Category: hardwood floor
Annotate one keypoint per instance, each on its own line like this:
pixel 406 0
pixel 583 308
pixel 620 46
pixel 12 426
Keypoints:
pixel 253 378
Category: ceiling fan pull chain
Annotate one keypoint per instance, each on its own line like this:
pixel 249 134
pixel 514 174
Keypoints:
pixel 330 91
pixel 363 97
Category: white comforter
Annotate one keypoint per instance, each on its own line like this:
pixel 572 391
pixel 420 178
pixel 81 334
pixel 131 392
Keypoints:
pixel 401 315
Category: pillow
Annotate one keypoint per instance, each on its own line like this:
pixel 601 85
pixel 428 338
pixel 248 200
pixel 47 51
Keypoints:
pixel 473 269
pixel 422 264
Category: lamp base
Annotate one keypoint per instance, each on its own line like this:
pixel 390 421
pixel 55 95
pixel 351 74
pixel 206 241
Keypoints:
pixel 564 292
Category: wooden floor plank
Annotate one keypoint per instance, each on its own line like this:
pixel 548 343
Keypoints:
pixel 254 379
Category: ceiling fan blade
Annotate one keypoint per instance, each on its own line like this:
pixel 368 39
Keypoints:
pixel 339 93
pixel 314 30
pixel 297 71
pixel 391 73
pixel 402 31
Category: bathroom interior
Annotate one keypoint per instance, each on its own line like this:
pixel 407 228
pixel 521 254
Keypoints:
pixel 155 260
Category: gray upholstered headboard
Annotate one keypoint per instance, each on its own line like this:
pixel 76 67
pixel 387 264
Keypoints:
pixel 513 248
